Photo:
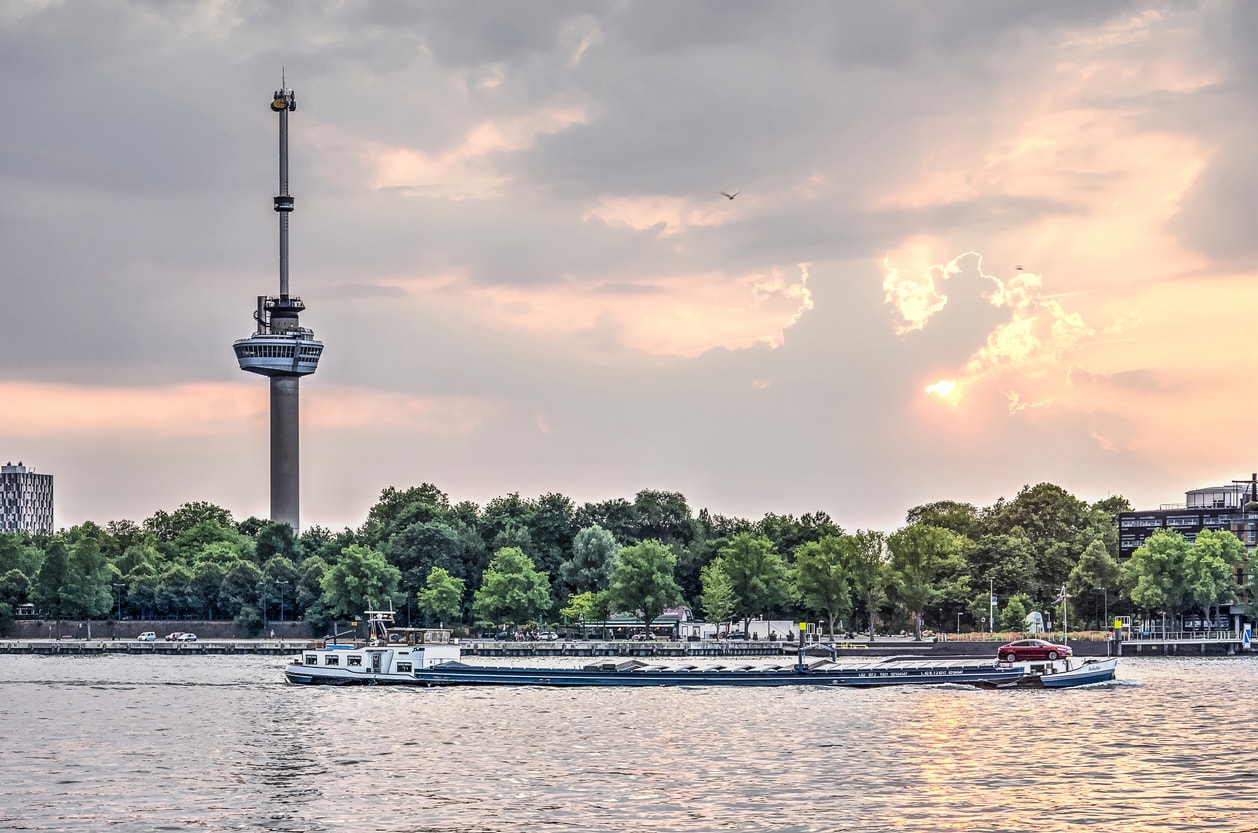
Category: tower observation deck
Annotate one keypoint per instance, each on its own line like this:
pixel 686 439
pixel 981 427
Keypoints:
pixel 281 349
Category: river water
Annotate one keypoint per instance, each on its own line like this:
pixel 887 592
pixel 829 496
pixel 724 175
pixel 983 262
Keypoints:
pixel 216 743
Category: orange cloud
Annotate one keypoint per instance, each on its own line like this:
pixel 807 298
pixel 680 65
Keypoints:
pixel 192 410
pixel 681 315
pixel 674 214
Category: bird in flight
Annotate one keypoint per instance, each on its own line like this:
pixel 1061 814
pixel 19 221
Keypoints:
pixel 1019 268
pixel 729 196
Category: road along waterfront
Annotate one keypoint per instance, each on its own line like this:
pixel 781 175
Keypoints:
pixel 221 743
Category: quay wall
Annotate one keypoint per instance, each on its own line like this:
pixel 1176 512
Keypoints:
pixel 24 629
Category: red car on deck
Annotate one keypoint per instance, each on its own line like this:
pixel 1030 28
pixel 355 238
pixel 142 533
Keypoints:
pixel 1029 649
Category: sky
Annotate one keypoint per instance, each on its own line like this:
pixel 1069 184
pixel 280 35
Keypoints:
pixel 975 246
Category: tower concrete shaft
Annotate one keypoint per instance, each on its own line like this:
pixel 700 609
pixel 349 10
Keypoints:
pixel 286 450
pixel 283 350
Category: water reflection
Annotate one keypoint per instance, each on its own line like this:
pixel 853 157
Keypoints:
pixel 222 743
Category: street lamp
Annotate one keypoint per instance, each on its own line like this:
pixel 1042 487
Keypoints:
pixel 958 623
pixel 118 589
pixel 280 583
pixel 1105 601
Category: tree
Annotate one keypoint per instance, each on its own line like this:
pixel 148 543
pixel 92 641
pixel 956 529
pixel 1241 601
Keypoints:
pixel 580 609
pixel 396 510
pixel 419 549
pixel 276 538
pixel 1211 567
pixel 920 556
pixel 663 517
pixel 1096 570
pixel 442 597
pixel 85 591
pixel 175 594
pixel 1058 525
pixel 1154 575
pixel 205 586
pixel 17 553
pixel 757 573
pixel 165 527
pixel 512 590
pixel 643 582
pixel 1005 563
pixel 865 562
pixel 53 573
pixel 14 588
pixel 239 588
pixel 1013 614
pixel 955 516
pixel 360 580
pixel 593 552
pixel 718 592
pixel 821 582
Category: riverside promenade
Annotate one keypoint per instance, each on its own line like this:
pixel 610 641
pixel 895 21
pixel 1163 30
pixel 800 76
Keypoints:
pixel 556 648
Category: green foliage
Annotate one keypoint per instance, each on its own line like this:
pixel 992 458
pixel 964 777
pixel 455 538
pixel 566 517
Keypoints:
pixel 1154 575
pixel 1209 574
pixel 175 593
pixel 360 580
pixel 1005 563
pixel 14 587
pixel 593 553
pixel 512 590
pixel 921 557
pixel 85 591
pixel 309 588
pixel 1058 525
pixel 864 557
pixel 788 534
pixel 1096 570
pixel 1013 614
pixel 442 596
pixel 52 576
pixel 581 608
pixel 205 585
pixel 276 538
pixel 642 581
pixel 396 510
pixel 141 556
pixel 239 588
pixel 952 515
pixel 248 621
pixel 165 527
pixel 18 553
pixel 718 592
pixel 758 574
pixel 821 581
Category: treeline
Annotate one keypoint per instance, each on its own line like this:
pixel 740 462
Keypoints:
pixel 547 562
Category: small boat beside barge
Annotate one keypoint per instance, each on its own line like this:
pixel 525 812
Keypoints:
pixel 426 657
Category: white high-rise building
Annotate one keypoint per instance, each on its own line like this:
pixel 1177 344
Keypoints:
pixel 25 499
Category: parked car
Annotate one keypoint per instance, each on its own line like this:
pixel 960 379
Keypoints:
pixel 1029 649
pixel 147 636
pixel 736 635
pixel 187 637
pixel 174 637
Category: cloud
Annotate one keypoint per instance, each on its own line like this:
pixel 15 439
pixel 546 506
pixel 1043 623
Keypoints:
pixel 468 170
pixel 680 315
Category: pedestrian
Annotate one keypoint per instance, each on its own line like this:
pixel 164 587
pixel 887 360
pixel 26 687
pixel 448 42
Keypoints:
pixel 272 633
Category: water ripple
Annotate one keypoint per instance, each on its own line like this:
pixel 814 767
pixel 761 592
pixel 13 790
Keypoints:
pixel 220 743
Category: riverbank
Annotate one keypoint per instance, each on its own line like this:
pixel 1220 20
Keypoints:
pixel 556 648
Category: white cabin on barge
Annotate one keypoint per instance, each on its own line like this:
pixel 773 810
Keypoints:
pixel 389 655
